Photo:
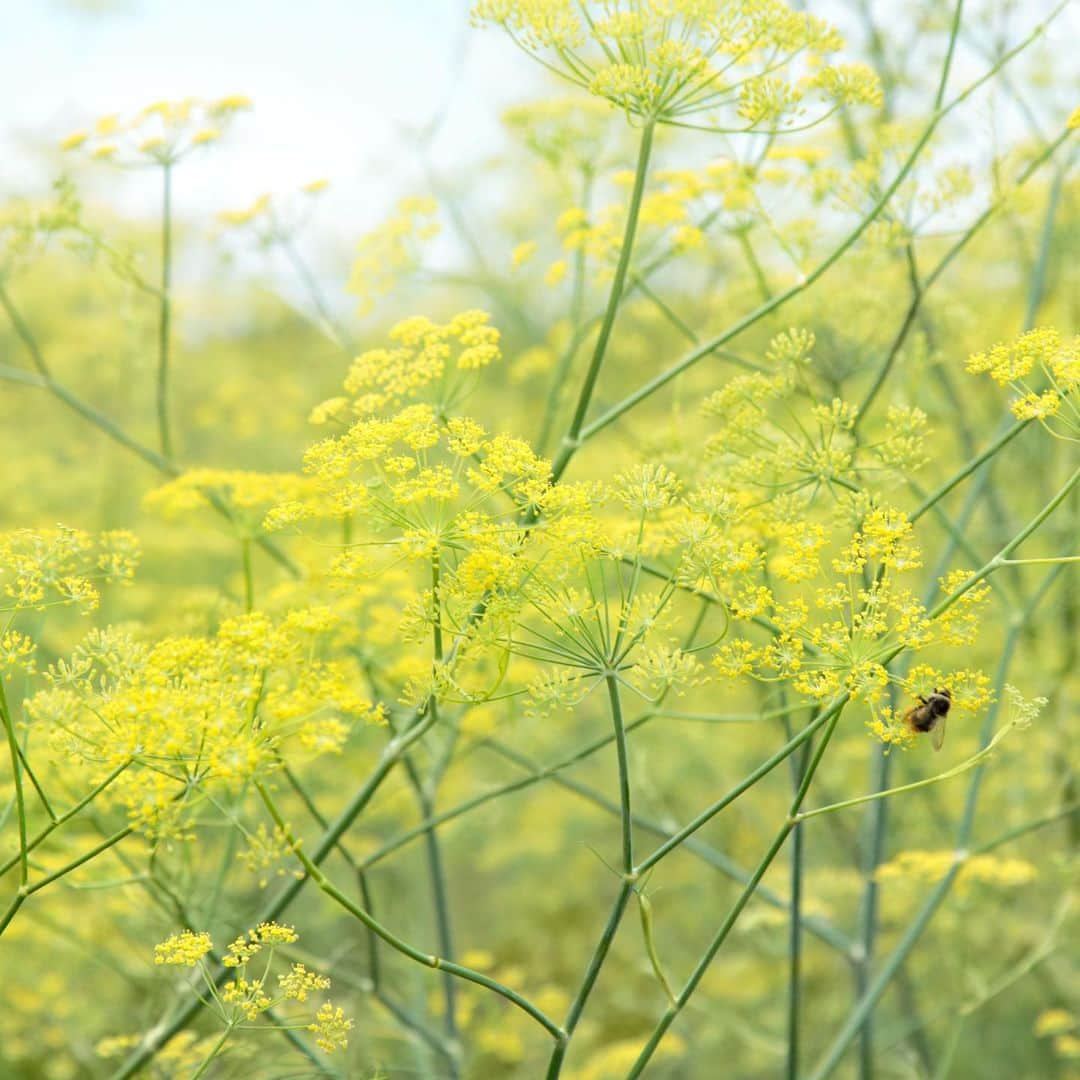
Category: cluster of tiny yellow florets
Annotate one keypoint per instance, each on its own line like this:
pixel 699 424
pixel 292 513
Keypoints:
pixel 865 616
pixel 186 948
pixel 675 60
pixel 46 568
pixel 1060 1025
pixel 1044 369
pixel 762 441
pixel 267 852
pixel 192 711
pixel 930 866
pixel 268 215
pixel 390 250
pixel 245 495
pixel 26 226
pixel 163 132
pixel 246 997
pixel 424 479
pixel 423 354
pixel 564 131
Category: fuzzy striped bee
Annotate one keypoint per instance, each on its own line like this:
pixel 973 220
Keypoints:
pixel 929 716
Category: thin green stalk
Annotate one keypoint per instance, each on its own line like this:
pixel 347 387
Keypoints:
pixel 1006 437
pixel 794 1000
pixel 437 963
pixel 330 324
pixel 16 772
pixel 214 1052
pixel 27 889
pixel 672 1012
pixel 603 946
pixel 624 775
pixel 66 816
pixel 1002 557
pixel 577 332
pixel 36 784
pixel 1067 811
pixel 743 786
pixel 165 313
pixel 434 850
pixel 570 441
pixel 592 973
pixel 711 856
pixel 249 579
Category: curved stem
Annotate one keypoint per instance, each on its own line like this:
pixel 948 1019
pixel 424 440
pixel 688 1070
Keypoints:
pixel 427 959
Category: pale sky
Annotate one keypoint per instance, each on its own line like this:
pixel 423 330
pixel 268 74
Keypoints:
pixel 334 83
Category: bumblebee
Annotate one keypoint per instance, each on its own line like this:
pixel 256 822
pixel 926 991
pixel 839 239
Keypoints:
pixel 929 716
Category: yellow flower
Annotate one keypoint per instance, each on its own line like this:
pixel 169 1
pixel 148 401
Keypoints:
pixel 74 140
pixel 555 272
pixel 185 948
pixel 522 253
pixel 331 1028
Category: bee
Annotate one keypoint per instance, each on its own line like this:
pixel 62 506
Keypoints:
pixel 929 716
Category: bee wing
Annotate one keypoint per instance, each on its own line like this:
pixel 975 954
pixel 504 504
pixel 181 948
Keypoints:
pixel 937 735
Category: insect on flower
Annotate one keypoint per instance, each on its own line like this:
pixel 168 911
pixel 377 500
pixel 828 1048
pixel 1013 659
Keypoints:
pixel 929 716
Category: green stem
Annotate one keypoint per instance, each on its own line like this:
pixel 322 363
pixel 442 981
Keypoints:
pixel 1002 557
pixel 624 775
pixel 427 959
pixel 201 1070
pixel 66 816
pixel 571 439
pixel 592 973
pixel 672 1012
pixel 165 313
pixel 744 785
pixel 249 578
pixel 16 772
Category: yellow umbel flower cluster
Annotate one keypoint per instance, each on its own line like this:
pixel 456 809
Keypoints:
pixel 186 948
pixel 423 355
pixel 931 866
pixel 390 250
pixel 766 435
pixel 246 495
pixel 162 132
pixel 1044 369
pixel 205 710
pixel 671 60
pixel 41 569
pixel 248 998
